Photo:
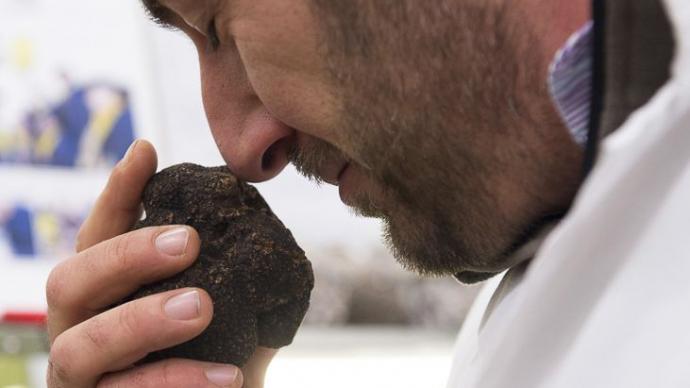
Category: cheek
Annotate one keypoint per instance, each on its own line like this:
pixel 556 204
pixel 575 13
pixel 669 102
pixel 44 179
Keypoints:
pixel 229 100
pixel 288 75
pixel 300 100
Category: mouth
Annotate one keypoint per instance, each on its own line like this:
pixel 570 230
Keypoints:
pixel 342 172
pixel 332 174
pixel 345 185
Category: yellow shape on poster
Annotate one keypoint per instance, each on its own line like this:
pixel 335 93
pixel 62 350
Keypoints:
pixel 22 56
pixel 13 372
pixel 6 142
pixel 48 227
pixel 47 142
pixel 103 120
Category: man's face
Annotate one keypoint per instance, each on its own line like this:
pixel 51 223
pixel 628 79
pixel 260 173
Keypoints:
pixel 433 116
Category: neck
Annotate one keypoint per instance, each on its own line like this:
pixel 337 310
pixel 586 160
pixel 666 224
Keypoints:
pixel 555 21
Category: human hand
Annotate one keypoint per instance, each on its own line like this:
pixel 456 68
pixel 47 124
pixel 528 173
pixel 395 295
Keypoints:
pixel 94 345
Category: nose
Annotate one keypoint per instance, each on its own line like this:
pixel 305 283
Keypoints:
pixel 260 151
pixel 254 144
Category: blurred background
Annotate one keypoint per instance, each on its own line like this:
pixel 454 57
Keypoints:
pixel 79 81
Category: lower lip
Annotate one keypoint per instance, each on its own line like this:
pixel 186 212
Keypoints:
pixel 344 183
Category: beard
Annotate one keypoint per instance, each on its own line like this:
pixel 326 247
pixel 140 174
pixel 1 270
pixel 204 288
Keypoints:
pixel 447 129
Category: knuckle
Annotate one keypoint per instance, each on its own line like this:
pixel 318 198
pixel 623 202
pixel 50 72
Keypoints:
pixel 137 378
pixel 120 251
pixel 96 334
pixel 55 286
pixel 139 328
pixel 61 368
pixel 167 374
pixel 56 376
pixel 129 322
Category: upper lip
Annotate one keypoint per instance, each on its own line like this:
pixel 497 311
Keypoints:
pixel 332 176
pixel 342 170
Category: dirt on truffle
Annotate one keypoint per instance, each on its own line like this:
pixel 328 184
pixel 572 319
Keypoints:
pixel 249 263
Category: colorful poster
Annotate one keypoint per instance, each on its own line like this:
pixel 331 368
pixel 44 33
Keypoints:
pixel 76 88
pixel 72 97
pixel 90 126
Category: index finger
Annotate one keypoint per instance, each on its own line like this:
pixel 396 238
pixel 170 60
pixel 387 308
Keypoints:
pixel 119 205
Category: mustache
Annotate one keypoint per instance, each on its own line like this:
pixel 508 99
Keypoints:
pixel 313 154
pixel 309 157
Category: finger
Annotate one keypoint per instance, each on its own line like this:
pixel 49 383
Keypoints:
pixel 176 373
pixel 119 337
pixel 82 286
pixel 254 370
pixel 119 205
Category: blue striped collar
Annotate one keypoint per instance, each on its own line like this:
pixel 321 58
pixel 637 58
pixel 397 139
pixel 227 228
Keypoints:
pixel 570 81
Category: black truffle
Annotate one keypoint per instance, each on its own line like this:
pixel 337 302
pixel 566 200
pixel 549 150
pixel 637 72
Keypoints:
pixel 249 263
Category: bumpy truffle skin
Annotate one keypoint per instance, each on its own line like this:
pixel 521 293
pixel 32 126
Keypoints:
pixel 249 263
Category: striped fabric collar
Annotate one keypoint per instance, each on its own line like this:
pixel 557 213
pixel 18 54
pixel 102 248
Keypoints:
pixel 570 81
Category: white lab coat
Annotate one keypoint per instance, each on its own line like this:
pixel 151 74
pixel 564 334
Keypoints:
pixel 606 301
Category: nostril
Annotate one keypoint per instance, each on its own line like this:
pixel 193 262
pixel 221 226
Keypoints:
pixel 258 150
pixel 276 155
pixel 268 158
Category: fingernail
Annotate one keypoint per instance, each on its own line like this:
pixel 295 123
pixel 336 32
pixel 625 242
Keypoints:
pixel 173 242
pixel 222 376
pixel 130 150
pixel 183 307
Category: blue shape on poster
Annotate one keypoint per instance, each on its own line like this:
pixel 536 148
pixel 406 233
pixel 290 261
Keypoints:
pixel 121 136
pixel 19 228
pixel 74 116
pixel 71 121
